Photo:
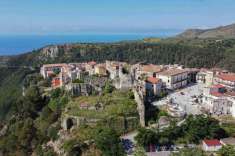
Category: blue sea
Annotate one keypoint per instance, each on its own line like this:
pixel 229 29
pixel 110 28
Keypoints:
pixel 17 44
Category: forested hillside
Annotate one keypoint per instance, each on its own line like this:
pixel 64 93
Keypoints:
pixel 191 53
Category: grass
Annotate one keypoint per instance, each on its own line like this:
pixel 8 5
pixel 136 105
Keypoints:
pixel 229 128
pixel 117 103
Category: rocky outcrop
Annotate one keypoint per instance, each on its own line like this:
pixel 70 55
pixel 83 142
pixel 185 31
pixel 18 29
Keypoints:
pixel 3 130
pixel 50 51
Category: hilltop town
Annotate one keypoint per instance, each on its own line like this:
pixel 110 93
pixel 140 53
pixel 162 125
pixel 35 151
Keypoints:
pixel 177 91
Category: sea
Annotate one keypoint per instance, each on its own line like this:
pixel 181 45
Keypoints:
pixel 18 44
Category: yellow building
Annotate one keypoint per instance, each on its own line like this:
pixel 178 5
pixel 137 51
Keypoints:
pixel 100 70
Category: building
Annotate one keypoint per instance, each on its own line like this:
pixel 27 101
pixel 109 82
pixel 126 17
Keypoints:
pixel 192 75
pixel 153 86
pixel 79 89
pixel 113 68
pixel 49 70
pixel 206 77
pixel 218 100
pixel 56 82
pixel 149 70
pixel 226 79
pixel 211 145
pixel 100 70
pixel 90 67
pixel 174 78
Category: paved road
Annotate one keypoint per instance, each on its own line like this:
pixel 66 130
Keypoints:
pixel 162 153
pixel 184 98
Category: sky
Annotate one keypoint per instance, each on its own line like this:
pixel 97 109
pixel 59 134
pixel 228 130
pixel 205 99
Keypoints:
pixel 111 16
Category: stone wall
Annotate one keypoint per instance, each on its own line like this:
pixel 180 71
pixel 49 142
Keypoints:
pixel 139 98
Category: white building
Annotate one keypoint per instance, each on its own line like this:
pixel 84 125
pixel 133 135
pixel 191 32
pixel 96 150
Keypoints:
pixel 219 101
pixel 211 145
pixel 206 77
pixel 174 78
pixel 48 70
pixel 227 80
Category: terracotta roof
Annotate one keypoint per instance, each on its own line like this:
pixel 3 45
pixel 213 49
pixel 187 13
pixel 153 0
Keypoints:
pixel 231 93
pixel 171 72
pixel 213 142
pixel 56 82
pixel 217 86
pixel 92 63
pixel 151 68
pixel 228 77
pixel 217 94
pixel 153 80
pixel 55 65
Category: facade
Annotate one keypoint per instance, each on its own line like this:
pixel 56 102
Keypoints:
pixel 211 145
pixel 227 80
pixel 90 67
pixel 49 70
pixel 218 101
pixel 174 78
pixel 206 77
pixel 113 69
pixel 192 75
pixel 56 82
pixel 153 86
pixel 100 70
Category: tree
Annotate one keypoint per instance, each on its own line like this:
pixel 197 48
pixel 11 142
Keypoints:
pixel 146 137
pixel 108 88
pixel 189 152
pixel 108 141
pixel 227 151
pixel 139 151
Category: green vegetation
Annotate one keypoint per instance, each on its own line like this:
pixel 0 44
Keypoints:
pixel 33 123
pixel 190 152
pixel 193 130
pixel 139 151
pixel 227 151
pixel 58 100
pixel 118 109
pixel 229 128
pixel 11 81
pixel 108 141
pixel 108 88
pixel 78 81
pixel 189 52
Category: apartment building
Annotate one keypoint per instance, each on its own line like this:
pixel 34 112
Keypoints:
pixel 218 100
pixel 149 70
pixel 48 70
pixel 225 79
pixel 153 86
pixel 173 78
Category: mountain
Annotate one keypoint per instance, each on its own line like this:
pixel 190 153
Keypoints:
pixel 219 32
